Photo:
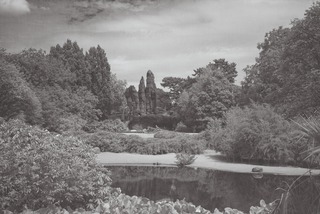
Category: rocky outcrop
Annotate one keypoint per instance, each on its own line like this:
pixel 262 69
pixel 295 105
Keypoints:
pixel 131 95
pixel 142 97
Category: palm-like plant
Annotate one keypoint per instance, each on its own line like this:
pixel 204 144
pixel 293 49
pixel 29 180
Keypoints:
pixel 310 127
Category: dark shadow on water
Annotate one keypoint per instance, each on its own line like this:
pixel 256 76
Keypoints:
pixel 223 159
pixel 208 188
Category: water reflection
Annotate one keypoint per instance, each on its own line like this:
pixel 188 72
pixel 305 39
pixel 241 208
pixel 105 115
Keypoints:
pixel 208 188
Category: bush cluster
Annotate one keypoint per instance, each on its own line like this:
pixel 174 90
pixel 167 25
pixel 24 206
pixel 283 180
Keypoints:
pixel 164 134
pixel 39 168
pixel 254 133
pixel 181 127
pixel 116 142
pixel 121 203
pixel 106 125
pixel 162 121
pixel 113 142
pixel 184 159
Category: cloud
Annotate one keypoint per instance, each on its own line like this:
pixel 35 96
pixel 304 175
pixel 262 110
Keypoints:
pixel 88 9
pixel 14 7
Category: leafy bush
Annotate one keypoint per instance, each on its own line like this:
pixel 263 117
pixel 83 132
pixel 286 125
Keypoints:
pixel 184 159
pixel 182 143
pixel 162 121
pixel 121 203
pixel 252 133
pixel 106 125
pixel 18 99
pixel 72 123
pixel 39 168
pixel 191 144
pixel 116 142
pixel 181 127
pixel 166 134
pixel 113 142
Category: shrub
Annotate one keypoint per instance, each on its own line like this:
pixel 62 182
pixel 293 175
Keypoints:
pixel 113 142
pixel 162 121
pixel 106 125
pixel 184 159
pixel 182 143
pixel 181 127
pixel 39 168
pixel 116 142
pixel 190 144
pixel 121 203
pixel 72 123
pixel 166 134
pixel 252 133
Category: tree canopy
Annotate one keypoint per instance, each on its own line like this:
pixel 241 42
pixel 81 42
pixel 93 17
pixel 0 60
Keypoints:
pixel 209 94
pixel 56 88
pixel 287 72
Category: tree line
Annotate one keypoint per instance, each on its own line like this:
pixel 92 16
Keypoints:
pixel 69 86
pixel 286 75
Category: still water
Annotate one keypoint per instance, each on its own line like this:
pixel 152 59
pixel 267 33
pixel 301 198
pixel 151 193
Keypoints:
pixel 215 189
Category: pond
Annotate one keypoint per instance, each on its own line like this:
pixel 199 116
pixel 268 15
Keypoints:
pixel 215 189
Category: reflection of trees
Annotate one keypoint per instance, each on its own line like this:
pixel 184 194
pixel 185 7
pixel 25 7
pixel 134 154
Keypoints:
pixel 208 188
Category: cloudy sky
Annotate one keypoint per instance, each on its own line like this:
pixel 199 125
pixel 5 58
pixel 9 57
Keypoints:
pixel 169 37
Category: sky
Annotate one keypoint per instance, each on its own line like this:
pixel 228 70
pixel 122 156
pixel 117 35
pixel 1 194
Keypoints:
pixel 168 37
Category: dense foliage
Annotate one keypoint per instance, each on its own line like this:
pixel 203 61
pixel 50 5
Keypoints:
pixel 39 168
pixel 146 121
pixel 255 133
pixel 121 203
pixel 105 125
pixel 17 99
pixel 166 134
pixel 58 90
pixel 69 90
pixel 209 94
pixel 286 73
pixel 310 131
pixel 115 142
pixel 183 159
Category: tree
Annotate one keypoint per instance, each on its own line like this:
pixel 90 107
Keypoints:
pixel 92 70
pixel 228 69
pixel 58 104
pixel 163 101
pixel 73 58
pixel 301 64
pixel 17 99
pixel 57 88
pixel 119 103
pixel 41 70
pixel 101 84
pixel 210 96
pixel 287 72
pixel 176 85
